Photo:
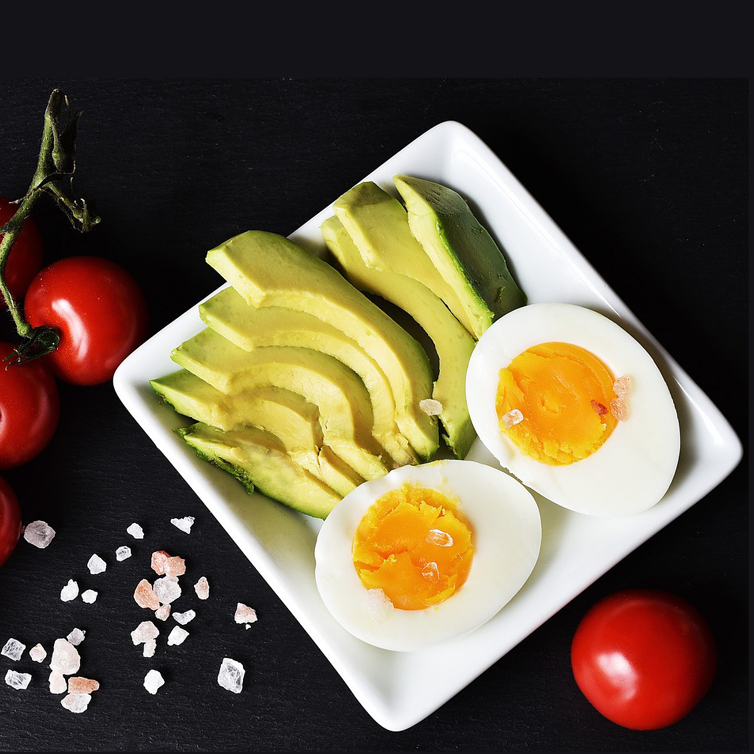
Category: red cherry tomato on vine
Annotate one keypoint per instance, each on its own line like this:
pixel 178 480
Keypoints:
pixel 643 658
pixel 26 257
pixel 29 410
pixel 99 310
pixel 10 521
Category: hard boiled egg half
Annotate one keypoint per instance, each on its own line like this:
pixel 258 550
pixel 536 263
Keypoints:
pixel 575 408
pixel 426 553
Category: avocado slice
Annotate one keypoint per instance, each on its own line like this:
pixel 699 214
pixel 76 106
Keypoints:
pixel 343 402
pixel 462 250
pixel 452 343
pixel 249 328
pixel 378 224
pixel 295 422
pixel 270 270
pixel 259 460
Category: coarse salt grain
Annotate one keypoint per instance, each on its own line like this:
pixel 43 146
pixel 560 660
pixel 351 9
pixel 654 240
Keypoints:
pixel 379 605
pixel 17 680
pixel 231 675
pixel 70 591
pixel 39 534
pixel 619 409
pixel 430 572
pixel 439 538
pixel 177 636
pixel 622 386
pixel 513 417
pixel 76 637
pixel 76 702
pixel 96 564
pixel 184 618
pixel 57 683
pixel 13 649
pixel 65 657
pixel 135 531
pixel 89 596
pixel 245 614
pixel 175 566
pixel 145 596
pixel 431 407
pixel 150 645
pixel 79 685
pixel 184 524
pixel 145 631
pixel 153 680
pixel 202 588
pixel 123 553
pixel 37 653
pixel 167 589
pixel 162 612
pixel 158 562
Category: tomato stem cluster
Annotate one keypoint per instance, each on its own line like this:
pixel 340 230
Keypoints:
pixel 56 164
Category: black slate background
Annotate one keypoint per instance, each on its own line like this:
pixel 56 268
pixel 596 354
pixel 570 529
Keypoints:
pixel 648 177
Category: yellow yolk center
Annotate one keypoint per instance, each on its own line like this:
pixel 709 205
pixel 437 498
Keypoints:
pixel 563 394
pixel 414 544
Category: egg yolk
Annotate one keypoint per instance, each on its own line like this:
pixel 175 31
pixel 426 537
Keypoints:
pixel 414 544
pixel 553 403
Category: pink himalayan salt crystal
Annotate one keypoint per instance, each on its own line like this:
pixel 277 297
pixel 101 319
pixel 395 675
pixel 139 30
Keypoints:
pixel 184 618
pixel 430 572
pixel 145 631
pixel 167 589
pixel 37 653
pixel 245 614
pixel 622 385
pixel 76 702
pixel 145 596
pixel 619 409
pixel 76 636
pixel 439 537
pixel 431 407
pixel 65 657
pixel 159 557
pixel 379 605
pixel 162 612
pixel 599 408
pixel 39 534
pixel 513 417
pixel 150 646
pixel 202 588
pixel 57 683
pixel 79 685
pixel 175 567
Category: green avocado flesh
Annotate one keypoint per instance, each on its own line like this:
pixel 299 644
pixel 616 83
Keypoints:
pixel 260 461
pixel 250 328
pixel 452 342
pixel 343 402
pixel 462 250
pixel 269 270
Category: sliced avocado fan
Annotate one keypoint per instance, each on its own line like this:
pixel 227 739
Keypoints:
pixel 250 328
pixel 462 250
pixel 343 402
pixel 270 270
pixel 452 343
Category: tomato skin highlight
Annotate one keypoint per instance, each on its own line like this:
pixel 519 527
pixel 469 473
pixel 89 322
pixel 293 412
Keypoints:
pixel 643 658
pixel 10 521
pixel 26 257
pixel 100 311
pixel 29 410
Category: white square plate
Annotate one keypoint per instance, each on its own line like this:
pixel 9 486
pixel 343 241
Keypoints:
pixel 400 689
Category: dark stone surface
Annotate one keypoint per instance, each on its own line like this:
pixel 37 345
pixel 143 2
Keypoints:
pixel 648 177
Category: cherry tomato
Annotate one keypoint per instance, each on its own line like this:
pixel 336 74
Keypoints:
pixel 643 658
pixel 29 410
pixel 99 310
pixel 10 521
pixel 26 257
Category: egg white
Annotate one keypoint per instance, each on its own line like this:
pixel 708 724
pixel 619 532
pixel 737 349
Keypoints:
pixel 633 469
pixel 507 535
